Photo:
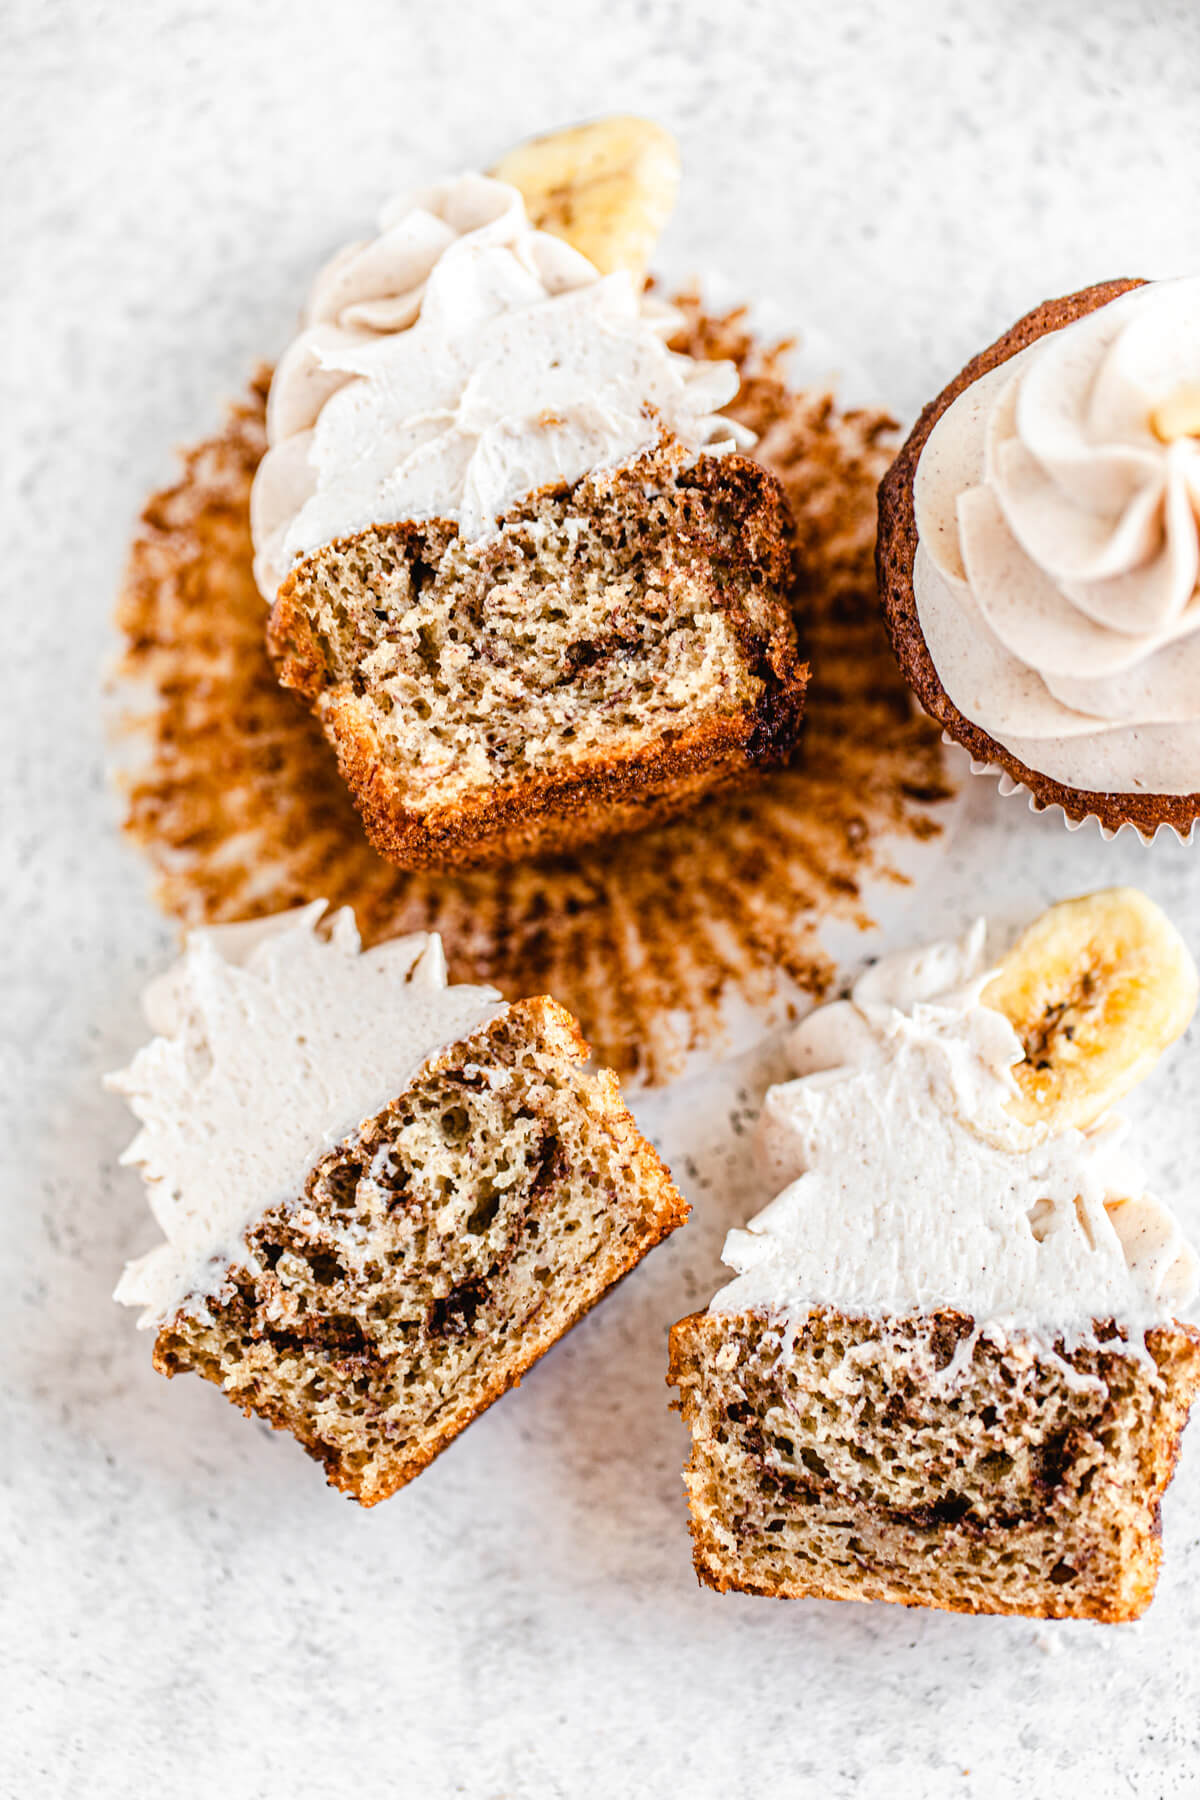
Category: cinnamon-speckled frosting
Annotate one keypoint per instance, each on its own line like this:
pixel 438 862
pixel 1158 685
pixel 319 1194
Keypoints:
pixel 275 1040
pixel 1056 577
pixel 906 1184
pixel 457 362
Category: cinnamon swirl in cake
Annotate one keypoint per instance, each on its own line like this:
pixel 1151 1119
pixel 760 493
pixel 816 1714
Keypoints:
pixel 515 556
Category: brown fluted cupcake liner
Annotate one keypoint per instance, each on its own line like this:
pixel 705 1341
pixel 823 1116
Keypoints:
pixel 234 796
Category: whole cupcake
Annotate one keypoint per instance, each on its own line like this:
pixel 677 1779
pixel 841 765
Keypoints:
pixel 1039 555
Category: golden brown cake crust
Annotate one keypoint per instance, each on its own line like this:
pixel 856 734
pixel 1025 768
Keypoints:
pixel 1093 1482
pixel 549 812
pixel 896 549
pixel 605 795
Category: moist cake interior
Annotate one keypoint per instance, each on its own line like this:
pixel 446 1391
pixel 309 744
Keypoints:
pixel 904 1462
pixel 597 623
pixel 434 1255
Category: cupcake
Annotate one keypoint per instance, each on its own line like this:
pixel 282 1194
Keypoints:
pixel 1038 555
pixel 950 1371
pixel 382 1197
pixel 515 559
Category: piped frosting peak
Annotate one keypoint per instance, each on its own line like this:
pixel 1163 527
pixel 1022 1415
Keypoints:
pixel 1057 576
pixel 276 1040
pixel 458 362
pixel 907 1185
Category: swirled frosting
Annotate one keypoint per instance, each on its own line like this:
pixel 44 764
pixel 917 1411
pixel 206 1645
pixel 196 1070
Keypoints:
pixel 275 1042
pixel 457 362
pixel 1056 577
pixel 907 1185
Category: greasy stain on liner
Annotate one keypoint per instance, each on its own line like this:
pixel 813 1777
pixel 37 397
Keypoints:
pixel 235 797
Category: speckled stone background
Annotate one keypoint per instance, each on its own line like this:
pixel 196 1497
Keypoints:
pixel 187 1610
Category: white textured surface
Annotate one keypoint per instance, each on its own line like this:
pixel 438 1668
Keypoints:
pixel 188 1610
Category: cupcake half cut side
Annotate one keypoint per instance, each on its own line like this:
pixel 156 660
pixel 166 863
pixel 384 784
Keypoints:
pixel 382 1197
pixel 1039 555
pixel 514 554
pixel 950 1370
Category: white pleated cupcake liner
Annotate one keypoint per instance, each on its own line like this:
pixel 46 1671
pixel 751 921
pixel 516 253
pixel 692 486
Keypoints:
pixel 1007 784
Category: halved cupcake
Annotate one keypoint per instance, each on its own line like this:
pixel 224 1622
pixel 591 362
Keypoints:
pixel 1039 556
pixel 950 1371
pixel 514 557
pixel 382 1197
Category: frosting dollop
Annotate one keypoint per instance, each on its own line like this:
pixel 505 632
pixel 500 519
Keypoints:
pixel 907 1185
pixel 457 362
pixel 1056 577
pixel 276 1041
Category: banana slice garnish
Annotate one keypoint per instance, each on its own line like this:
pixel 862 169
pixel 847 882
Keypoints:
pixel 1096 990
pixel 608 188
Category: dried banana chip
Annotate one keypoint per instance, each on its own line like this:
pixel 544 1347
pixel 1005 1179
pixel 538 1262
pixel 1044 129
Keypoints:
pixel 608 188
pixel 1096 989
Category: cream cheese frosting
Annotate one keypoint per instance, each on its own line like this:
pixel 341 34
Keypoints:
pixel 276 1040
pixel 1057 505
pixel 457 362
pixel 907 1185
